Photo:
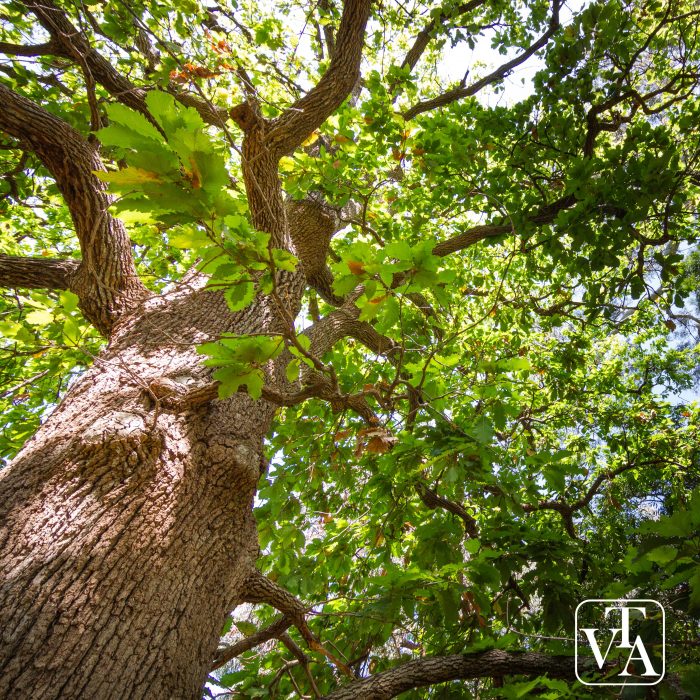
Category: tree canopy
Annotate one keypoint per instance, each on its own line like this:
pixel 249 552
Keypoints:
pixel 486 398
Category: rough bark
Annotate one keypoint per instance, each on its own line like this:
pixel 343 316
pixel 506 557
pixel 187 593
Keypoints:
pixel 106 281
pixel 127 528
pixel 431 670
pixel 36 273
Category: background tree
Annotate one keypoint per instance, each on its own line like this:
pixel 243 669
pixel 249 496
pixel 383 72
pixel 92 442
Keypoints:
pixel 294 322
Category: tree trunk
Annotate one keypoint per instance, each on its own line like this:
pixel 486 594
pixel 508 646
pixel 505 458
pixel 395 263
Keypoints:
pixel 126 526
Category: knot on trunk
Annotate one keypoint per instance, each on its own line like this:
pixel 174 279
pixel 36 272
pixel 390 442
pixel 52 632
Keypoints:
pixel 312 224
pixel 242 461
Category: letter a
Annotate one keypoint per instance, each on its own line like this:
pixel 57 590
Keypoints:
pixel 643 657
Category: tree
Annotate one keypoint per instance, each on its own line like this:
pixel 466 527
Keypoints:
pixel 291 321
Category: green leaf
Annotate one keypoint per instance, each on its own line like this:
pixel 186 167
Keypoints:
pixel 133 121
pixel 247 628
pixel 240 295
pixel 231 379
pixel 284 260
pixel 69 301
pixel 663 554
pixel 482 430
pixel 292 370
pixel 71 331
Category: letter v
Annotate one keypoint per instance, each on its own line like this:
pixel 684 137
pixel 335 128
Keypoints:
pixel 590 635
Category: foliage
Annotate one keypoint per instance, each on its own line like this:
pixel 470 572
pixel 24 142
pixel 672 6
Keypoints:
pixel 541 381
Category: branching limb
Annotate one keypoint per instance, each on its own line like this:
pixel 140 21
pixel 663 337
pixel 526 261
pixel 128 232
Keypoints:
pixel 259 589
pixel 36 273
pixel 494 77
pixel 69 42
pixel 106 279
pixel 432 500
pixel 293 127
pixel 438 669
pixel 568 510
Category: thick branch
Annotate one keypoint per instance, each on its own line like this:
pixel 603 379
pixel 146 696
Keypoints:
pixel 344 323
pixel 494 77
pixel 36 273
pixel 46 49
pixel 291 129
pixel 545 215
pixel 106 280
pixel 438 669
pixel 470 237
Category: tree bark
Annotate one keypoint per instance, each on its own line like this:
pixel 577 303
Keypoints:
pixel 126 528
pixel 438 669
pixel 36 273
pixel 106 281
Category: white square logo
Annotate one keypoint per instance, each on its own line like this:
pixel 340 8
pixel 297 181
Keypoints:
pixel 623 639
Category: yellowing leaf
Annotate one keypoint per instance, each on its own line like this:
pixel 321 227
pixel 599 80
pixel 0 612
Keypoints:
pixel 311 139
pixel 286 164
pixel 128 176
pixel 195 177
pixel 39 317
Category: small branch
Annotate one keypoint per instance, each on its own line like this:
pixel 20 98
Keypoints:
pixel 303 660
pixel 36 273
pixel 494 77
pixel 424 36
pixel 567 510
pixel 328 33
pixel 272 631
pixel 69 42
pixel 431 499
pixel 17 387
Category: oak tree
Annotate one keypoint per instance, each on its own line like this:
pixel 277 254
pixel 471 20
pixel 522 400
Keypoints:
pixel 347 347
